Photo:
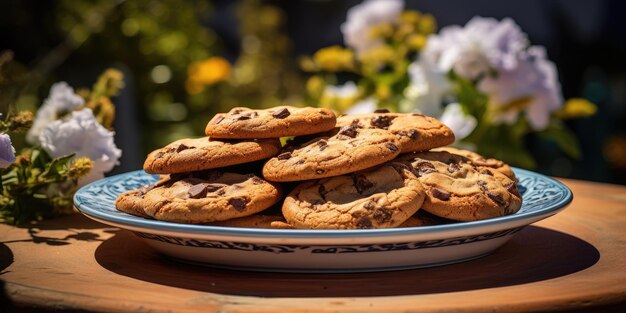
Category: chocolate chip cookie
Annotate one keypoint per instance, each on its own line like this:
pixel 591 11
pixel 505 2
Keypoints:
pixel 382 197
pixel 200 198
pixel 188 155
pixel 459 190
pixel 350 150
pixel 256 221
pixel 276 122
pixel 415 132
pixel 480 160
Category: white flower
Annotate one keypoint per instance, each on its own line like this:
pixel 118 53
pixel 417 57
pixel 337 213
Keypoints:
pixel 483 45
pixel 364 106
pixel 532 86
pixel 360 19
pixel 425 91
pixel 460 123
pixel 7 152
pixel 61 100
pixel 83 135
pixel 345 91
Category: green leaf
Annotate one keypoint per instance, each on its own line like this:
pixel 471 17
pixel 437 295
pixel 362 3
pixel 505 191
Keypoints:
pixel 563 137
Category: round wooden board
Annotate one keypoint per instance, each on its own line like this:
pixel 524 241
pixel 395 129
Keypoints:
pixel 574 260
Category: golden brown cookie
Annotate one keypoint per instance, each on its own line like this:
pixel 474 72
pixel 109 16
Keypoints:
pixel 200 197
pixel 256 221
pixel 187 155
pixel 383 197
pixel 480 160
pixel 282 121
pixel 350 150
pixel 415 132
pixel 459 190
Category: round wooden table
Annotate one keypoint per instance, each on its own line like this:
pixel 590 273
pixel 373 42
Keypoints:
pixel 575 260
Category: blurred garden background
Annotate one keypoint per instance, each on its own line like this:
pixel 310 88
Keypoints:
pixel 183 61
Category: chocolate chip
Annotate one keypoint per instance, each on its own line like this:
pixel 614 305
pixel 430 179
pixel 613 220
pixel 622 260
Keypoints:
pixel 284 112
pixel 482 185
pixel 497 198
pixel 182 147
pixel 486 172
pixel 392 147
pixel 381 111
pixel 256 180
pixel 238 203
pixel 159 155
pixel 319 171
pixel 212 188
pixel 512 188
pixel 369 205
pixel 322 190
pixel 417 114
pixel 198 191
pixel 243 117
pixel 453 167
pixel 221 192
pixel 144 189
pixel 441 194
pixel 218 119
pixel 382 121
pixel 355 122
pixel 284 156
pixel 322 144
pixel 361 183
pixel 424 168
pixel 382 215
pixel 300 162
pixel 349 131
pixel 364 223
pixel 413 134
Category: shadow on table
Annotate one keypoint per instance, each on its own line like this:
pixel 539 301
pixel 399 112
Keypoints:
pixel 76 224
pixel 534 254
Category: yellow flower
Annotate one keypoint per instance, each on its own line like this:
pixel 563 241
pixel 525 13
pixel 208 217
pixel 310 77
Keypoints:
pixel 576 107
pixel 80 167
pixel 410 17
pixel 416 41
pixel 382 30
pixel 315 86
pixel 378 56
pixel 427 24
pixel 206 72
pixel 334 59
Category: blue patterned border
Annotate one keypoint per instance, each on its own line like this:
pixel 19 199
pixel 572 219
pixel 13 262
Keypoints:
pixel 197 243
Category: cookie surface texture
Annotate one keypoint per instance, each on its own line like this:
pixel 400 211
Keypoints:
pixel 415 132
pixel 348 151
pixel 459 190
pixel 187 155
pixel 378 198
pixel 480 160
pixel 214 197
pixel 275 122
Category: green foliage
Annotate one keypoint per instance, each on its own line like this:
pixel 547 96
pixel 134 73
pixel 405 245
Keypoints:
pixel 37 186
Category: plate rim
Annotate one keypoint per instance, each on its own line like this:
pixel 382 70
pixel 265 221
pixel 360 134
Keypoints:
pixel 136 223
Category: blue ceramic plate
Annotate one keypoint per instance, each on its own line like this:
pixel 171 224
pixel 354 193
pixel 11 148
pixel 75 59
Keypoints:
pixel 323 250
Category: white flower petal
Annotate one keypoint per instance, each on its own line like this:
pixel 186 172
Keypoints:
pixel 364 106
pixel 7 152
pixel 61 100
pixel 83 135
pixel 362 17
pixel 460 123
pixel 347 90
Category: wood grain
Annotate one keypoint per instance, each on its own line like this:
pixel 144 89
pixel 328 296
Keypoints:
pixel 574 260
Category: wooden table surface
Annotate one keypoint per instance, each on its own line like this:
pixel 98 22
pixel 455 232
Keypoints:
pixel 575 260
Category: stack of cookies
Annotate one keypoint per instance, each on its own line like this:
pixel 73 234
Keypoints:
pixel 377 170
